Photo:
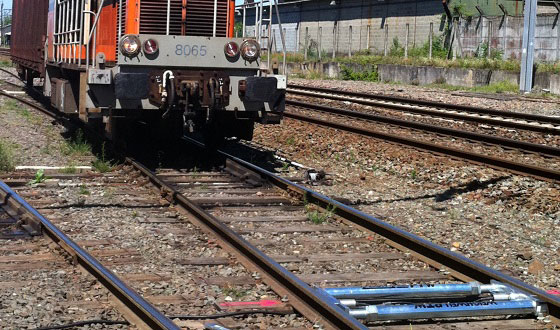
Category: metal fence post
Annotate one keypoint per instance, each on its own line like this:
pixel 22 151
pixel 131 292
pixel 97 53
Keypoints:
pixel 386 39
pixel 297 37
pixel 489 48
pixel 350 41
pixel 305 43
pixel 319 42
pixel 455 41
pixel 557 43
pixel 528 47
pixel 368 36
pixel 273 43
pixel 335 28
pixel 406 41
pixel 504 56
pixel 431 37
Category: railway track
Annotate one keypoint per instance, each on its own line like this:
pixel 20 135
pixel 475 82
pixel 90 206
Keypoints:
pixel 517 120
pixel 471 136
pixel 263 221
pixel 15 209
pixel 269 231
pixel 540 172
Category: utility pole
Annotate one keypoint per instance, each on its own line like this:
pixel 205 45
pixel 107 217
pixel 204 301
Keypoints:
pixel 528 48
pixel 2 23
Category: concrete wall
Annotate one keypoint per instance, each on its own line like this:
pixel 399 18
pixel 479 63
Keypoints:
pixel 425 75
pixel 355 25
pixel 504 34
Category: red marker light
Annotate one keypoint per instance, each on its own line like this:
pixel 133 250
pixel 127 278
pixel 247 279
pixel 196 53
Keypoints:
pixel 150 47
pixel 231 49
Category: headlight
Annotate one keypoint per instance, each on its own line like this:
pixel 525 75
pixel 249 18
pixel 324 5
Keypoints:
pixel 130 45
pixel 231 49
pixel 150 46
pixel 250 50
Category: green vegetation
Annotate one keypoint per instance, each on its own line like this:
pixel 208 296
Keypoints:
pixel 465 63
pixel 40 177
pixel 13 105
pixel 238 29
pixel 70 169
pixel 9 105
pixel 83 190
pixel 458 10
pixel 234 292
pixel 25 114
pixel 418 56
pixel 316 216
pixel 549 67
pixel 348 73
pixel 77 145
pixel 103 165
pixel 6 157
pixel 499 87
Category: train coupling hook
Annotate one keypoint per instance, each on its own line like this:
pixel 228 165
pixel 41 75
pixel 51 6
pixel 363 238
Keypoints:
pixel 168 76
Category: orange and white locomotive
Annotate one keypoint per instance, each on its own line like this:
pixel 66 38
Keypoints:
pixel 174 62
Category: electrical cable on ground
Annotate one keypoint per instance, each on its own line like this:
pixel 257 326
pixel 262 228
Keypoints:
pixel 180 317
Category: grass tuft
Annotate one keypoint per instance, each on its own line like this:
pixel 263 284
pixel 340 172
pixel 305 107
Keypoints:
pixel 76 145
pixel 348 73
pixel 40 177
pixel 103 165
pixel 234 293
pixel 83 190
pixel 316 216
pixel 6 157
pixel 499 87
pixel 70 169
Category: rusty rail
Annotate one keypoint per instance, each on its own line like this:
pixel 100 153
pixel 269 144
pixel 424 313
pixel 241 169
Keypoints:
pixel 141 309
pixel 479 137
pixel 421 107
pixel 455 262
pixel 479 159
pixel 304 298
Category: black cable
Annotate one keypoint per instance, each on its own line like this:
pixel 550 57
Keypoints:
pixel 230 314
pixel 82 323
pixel 181 317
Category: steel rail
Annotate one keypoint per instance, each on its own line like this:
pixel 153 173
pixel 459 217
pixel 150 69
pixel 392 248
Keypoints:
pixel 479 159
pixel 485 138
pixel 404 104
pixel 141 309
pixel 35 106
pixel 453 261
pixel 10 73
pixel 304 298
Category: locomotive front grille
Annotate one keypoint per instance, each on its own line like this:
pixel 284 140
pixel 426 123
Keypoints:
pixel 187 17
pixel 200 18
pixel 153 17
pixel 123 26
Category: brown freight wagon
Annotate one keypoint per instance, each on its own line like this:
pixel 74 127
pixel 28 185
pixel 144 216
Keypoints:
pixel 29 32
